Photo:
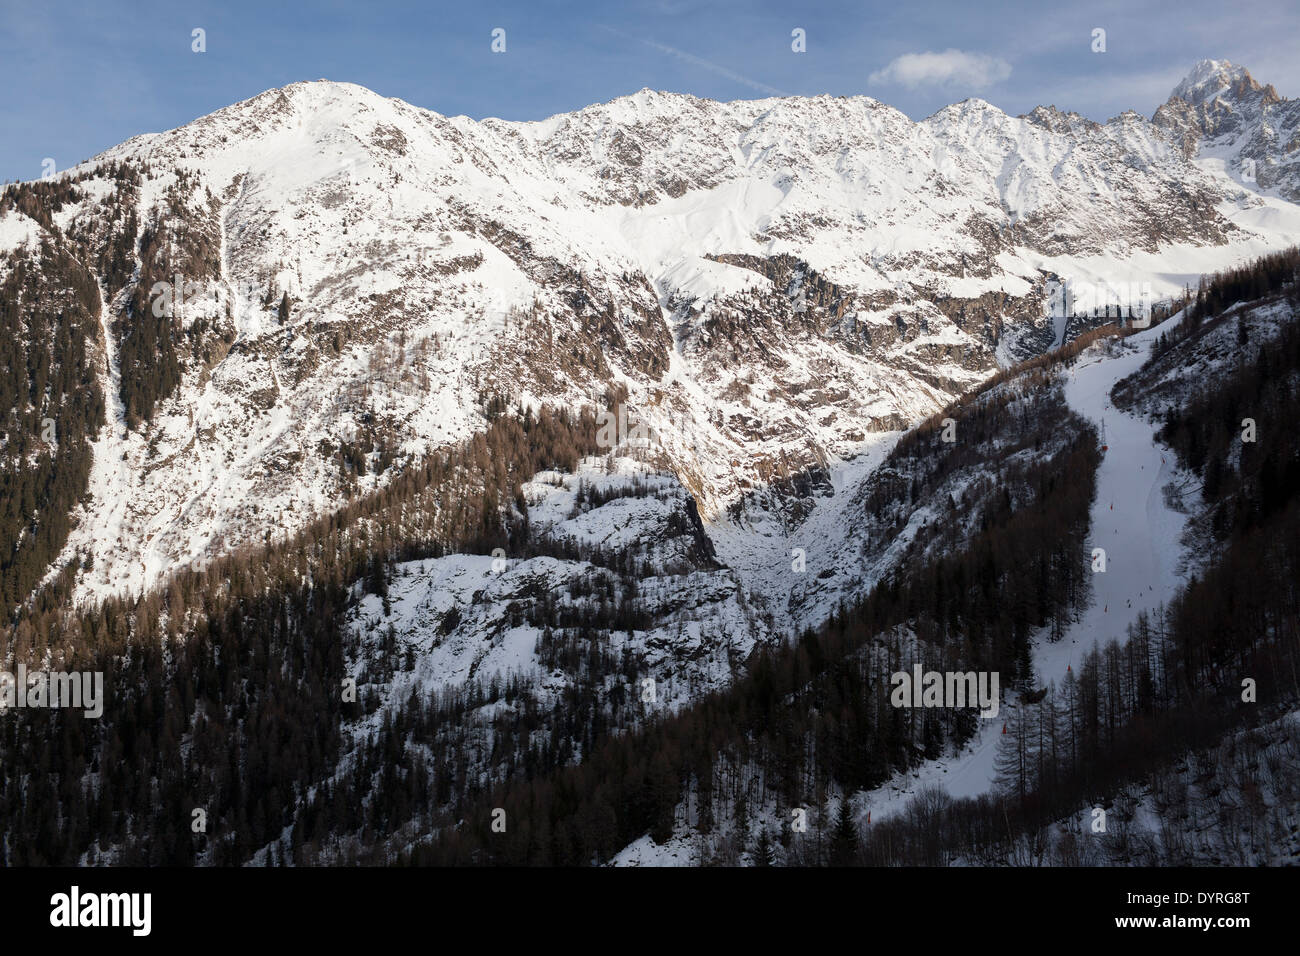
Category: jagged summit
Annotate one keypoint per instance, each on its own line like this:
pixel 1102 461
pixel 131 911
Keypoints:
pixel 1211 79
pixel 1207 79
pixel 1221 112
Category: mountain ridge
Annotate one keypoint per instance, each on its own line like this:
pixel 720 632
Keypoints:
pixel 778 284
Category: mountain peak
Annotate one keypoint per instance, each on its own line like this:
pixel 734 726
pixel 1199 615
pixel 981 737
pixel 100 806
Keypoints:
pixel 1210 79
pixel 1221 102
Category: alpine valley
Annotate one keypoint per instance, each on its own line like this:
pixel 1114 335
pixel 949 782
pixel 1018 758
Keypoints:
pixel 406 474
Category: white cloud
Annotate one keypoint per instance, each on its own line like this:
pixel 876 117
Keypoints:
pixel 951 68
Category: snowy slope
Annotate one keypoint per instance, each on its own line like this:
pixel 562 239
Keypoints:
pixel 474 617
pixel 1143 538
pixel 452 623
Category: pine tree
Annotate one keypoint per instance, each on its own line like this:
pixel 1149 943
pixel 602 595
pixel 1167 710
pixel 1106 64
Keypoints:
pixel 844 836
pixel 1013 762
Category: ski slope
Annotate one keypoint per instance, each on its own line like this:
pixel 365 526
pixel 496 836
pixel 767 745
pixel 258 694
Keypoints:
pixel 1129 521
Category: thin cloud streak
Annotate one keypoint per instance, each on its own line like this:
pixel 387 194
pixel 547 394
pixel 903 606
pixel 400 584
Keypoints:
pixel 699 61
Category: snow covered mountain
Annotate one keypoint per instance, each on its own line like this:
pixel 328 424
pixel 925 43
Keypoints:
pixel 776 286
pixel 329 350
pixel 1222 115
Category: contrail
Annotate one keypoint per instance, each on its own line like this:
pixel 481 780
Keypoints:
pixel 705 64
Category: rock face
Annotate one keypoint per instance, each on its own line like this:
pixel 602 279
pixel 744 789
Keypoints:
pixel 622 566
pixel 346 280
pixel 1222 113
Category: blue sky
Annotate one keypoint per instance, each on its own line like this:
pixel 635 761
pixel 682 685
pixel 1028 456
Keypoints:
pixel 80 77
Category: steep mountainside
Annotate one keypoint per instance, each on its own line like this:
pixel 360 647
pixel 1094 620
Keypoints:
pixel 1149 718
pixel 532 620
pixel 1223 115
pixel 308 291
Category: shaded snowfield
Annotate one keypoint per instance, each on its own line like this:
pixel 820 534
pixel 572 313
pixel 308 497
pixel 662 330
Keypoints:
pixel 678 851
pixel 762 551
pixel 110 479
